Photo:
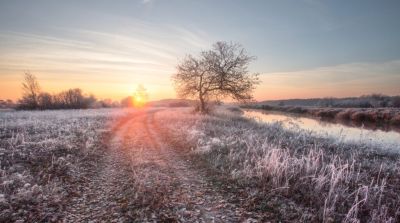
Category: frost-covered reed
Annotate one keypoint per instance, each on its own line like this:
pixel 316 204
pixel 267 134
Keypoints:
pixel 328 180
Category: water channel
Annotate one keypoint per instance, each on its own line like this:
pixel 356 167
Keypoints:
pixel 388 138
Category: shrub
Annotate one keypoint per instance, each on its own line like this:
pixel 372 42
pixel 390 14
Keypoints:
pixel 396 102
pixel 329 114
pixel 396 120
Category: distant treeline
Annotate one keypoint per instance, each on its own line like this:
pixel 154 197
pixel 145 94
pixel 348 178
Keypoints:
pixel 366 101
pixel 69 99
pixel 35 99
pixel 4 104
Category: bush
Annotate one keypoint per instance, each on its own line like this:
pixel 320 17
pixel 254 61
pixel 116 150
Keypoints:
pixel 396 102
pixel 327 113
pixel 396 120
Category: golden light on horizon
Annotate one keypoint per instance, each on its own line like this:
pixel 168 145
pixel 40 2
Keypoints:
pixel 139 101
pixel 139 98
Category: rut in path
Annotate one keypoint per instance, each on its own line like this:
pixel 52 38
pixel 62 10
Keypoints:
pixel 143 171
pixel 193 197
pixel 98 200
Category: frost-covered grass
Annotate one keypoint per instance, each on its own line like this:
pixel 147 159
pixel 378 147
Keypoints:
pixel 292 172
pixel 42 157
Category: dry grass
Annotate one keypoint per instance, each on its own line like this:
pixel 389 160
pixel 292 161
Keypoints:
pixel 42 156
pixel 286 171
pixel 326 180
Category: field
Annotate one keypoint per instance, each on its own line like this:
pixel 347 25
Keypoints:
pixel 170 164
pixel 42 158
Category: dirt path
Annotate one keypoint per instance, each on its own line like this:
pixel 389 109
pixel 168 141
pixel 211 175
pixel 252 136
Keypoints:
pixel 109 179
pixel 142 179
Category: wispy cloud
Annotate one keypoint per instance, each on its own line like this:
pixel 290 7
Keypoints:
pixel 93 59
pixel 341 80
pixel 147 1
pixel 152 50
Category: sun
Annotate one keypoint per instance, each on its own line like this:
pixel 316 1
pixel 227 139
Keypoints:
pixel 139 101
pixel 139 98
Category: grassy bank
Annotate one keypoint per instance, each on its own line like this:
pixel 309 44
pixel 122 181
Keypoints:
pixel 365 101
pixel 379 116
pixel 290 172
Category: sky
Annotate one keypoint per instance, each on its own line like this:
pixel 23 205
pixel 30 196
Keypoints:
pixel 304 48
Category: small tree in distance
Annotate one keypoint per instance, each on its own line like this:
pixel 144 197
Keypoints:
pixel 215 74
pixel 31 91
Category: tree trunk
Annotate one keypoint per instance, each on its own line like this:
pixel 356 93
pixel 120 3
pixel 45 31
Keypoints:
pixel 202 104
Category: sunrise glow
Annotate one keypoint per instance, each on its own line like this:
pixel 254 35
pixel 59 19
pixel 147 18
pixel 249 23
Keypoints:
pixel 200 111
pixel 108 49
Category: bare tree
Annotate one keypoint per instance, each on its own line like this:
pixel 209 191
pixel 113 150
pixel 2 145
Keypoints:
pixel 31 91
pixel 45 101
pixel 74 99
pixel 33 98
pixel 218 73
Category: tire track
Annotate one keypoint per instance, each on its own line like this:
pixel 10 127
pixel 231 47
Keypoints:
pixel 99 198
pixel 143 179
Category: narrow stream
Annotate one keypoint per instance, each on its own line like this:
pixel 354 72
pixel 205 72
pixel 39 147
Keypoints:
pixel 387 139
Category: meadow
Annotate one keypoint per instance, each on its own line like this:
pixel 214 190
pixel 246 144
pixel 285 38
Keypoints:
pixel 44 156
pixel 171 164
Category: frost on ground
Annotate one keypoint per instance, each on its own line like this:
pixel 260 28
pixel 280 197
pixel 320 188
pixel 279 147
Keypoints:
pixel 144 179
pixel 170 165
pixel 292 173
pixel 102 167
pixel 43 157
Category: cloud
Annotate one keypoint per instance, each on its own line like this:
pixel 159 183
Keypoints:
pixel 341 80
pixel 141 49
pixel 147 1
pixel 104 60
